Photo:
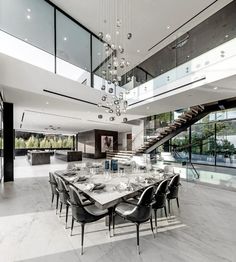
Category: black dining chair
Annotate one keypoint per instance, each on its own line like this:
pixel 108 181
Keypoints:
pixel 137 213
pixel 53 184
pixel 160 199
pixel 173 190
pixel 63 196
pixel 85 213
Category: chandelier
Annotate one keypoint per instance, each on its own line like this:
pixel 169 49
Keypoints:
pixel 115 32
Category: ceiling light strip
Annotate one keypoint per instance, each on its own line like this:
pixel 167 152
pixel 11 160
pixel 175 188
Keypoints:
pixel 73 98
pixel 182 25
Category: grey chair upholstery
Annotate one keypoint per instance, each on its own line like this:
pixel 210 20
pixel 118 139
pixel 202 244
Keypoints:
pixel 63 196
pixel 84 213
pixel 138 212
pixel 173 190
pixel 160 199
pixel 54 190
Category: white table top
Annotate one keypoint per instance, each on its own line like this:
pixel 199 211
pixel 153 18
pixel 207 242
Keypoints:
pixel 115 186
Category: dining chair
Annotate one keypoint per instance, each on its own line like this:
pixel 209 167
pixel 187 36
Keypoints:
pixel 137 213
pixel 85 213
pixel 160 199
pixel 63 196
pixel 173 190
pixel 53 184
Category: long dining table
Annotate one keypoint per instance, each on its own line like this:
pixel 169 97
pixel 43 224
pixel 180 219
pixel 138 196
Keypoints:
pixel 112 188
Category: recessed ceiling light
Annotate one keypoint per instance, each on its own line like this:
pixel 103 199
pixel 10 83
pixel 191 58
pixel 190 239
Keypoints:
pixel 29 10
pixel 47 103
pixel 99 53
pixel 65 38
pixel 226 36
pixel 28 17
pixel 188 56
pixel 215 88
pixel 26 39
pixel 168 27
pixel 138 51
pixel 147 107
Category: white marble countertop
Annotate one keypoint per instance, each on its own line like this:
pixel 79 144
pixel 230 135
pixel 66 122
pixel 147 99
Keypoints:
pixel 117 186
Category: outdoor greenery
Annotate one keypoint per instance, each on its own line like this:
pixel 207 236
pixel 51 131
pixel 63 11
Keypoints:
pixel 44 142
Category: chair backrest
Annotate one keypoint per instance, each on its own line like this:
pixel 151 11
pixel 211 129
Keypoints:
pixel 62 189
pixel 53 183
pixel 174 186
pixel 75 198
pixel 80 213
pixel 162 187
pixel 175 181
pixel 160 194
pixel 146 197
pixel 142 212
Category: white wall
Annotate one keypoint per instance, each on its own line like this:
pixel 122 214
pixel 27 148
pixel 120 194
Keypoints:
pixel 138 135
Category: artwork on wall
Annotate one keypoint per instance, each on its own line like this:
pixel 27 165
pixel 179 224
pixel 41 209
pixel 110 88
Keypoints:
pixel 106 143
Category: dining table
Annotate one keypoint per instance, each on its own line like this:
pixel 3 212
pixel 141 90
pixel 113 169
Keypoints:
pixel 107 189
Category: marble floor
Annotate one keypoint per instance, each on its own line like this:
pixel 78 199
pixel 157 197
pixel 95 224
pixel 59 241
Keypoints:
pixel 203 230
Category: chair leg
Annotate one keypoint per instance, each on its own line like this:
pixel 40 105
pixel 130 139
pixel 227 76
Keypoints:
pixel 169 206
pixel 52 199
pixel 113 222
pixel 72 225
pixel 82 239
pixel 60 208
pixel 152 226
pixel 57 203
pixel 177 200
pixel 166 212
pixel 67 209
pixel 155 216
pixel 138 248
pixel 109 222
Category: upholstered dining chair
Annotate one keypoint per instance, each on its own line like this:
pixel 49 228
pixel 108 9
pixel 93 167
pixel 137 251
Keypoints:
pixel 84 213
pixel 63 196
pixel 53 184
pixel 160 199
pixel 137 213
pixel 173 190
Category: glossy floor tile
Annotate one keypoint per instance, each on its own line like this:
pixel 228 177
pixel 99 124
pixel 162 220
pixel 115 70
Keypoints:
pixel 203 230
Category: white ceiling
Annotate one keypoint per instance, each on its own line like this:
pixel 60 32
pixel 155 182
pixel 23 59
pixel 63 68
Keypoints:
pixel 42 111
pixel 150 20
pixel 26 91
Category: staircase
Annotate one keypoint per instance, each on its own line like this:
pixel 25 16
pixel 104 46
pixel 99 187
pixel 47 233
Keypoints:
pixel 180 124
pixel 122 156
pixel 188 118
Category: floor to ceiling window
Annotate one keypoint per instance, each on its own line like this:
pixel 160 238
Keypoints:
pixel 27 31
pixel 210 141
pixel 42 35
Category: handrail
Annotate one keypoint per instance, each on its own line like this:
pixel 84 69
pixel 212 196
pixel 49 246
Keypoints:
pixel 189 162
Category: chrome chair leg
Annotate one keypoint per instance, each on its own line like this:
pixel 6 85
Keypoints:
pixel 138 248
pixel 82 239
pixel 152 227
pixel 72 226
